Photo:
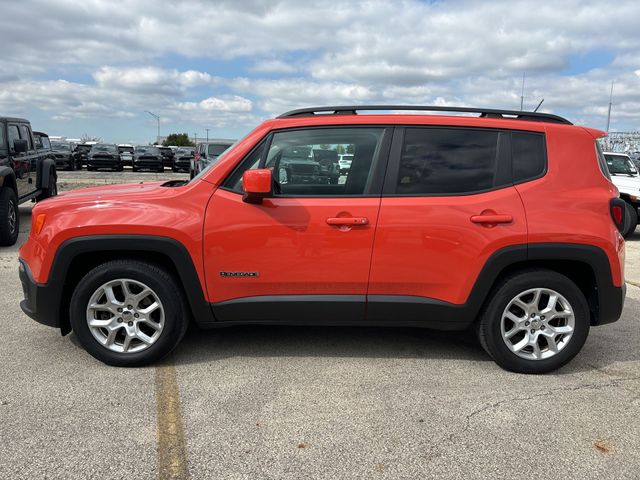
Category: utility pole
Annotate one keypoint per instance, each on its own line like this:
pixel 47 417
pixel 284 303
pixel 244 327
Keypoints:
pixel 157 117
pixel 195 139
pixel 207 129
pixel 522 93
pixel 610 103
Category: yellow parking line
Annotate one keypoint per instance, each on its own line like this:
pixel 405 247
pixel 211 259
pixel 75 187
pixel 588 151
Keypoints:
pixel 172 453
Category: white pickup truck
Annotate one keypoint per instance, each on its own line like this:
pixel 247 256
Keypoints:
pixel 624 175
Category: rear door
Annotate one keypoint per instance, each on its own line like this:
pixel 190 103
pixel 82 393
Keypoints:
pixel 448 204
pixel 296 257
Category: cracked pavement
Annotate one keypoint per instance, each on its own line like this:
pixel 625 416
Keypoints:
pixel 327 403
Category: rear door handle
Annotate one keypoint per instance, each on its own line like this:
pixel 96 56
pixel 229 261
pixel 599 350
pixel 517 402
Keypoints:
pixel 348 221
pixel 494 218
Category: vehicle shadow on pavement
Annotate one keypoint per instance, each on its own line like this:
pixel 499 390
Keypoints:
pixel 603 347
pixel 305 341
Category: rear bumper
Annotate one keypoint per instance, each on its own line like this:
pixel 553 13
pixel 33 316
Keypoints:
pixel 39 300
pixel 610 303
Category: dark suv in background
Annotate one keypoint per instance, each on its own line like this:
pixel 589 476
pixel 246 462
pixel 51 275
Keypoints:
pixel 64 157
pixel 80 154
pixel 148 158
pixel 207 153
pixel 182 159
pixel 104 155
pixel 167 156
pixel 26 173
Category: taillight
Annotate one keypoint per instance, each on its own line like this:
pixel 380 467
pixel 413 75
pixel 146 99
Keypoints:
pixel 617 213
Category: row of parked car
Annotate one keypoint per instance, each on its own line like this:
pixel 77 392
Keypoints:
pixel 106 156
pixel 98 156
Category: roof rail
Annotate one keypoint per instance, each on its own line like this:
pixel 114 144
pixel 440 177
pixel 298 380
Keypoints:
pixel 484 112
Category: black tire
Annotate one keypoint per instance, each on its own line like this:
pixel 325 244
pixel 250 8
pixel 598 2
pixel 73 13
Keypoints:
pixel 161 170
pixel 52 189
pixel 161 282
pixel 9 217
pixel 134 169
pixel 631 220
pixel 488 327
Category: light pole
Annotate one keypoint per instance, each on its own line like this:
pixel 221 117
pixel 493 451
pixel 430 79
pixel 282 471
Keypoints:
pixel 207 129
pixel 157 117
pixel 609 112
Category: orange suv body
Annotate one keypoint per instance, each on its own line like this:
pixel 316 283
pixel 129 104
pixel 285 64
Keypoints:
pixel 435 218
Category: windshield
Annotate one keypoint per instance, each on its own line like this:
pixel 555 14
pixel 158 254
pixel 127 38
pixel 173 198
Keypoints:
pixel 103 149
pixel 60 146
pixel 83 148
pixel 125 149
pixel 149 150
pixel 184 151
pixel 620 165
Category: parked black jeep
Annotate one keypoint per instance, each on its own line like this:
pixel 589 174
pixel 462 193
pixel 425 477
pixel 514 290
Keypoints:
pixel 26 173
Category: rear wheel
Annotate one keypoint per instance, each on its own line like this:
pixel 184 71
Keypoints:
pixel 9 217
pixel 128 313
pixel 535 322
pixel 631 219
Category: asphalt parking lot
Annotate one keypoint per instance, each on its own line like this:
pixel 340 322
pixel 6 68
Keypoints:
pixel 328 403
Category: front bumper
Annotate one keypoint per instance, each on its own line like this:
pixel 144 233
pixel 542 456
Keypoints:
pixel 147 163
pixel 39 300
pixel 182 164
pixel 103 163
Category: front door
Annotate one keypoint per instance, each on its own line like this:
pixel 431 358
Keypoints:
pixel 304 254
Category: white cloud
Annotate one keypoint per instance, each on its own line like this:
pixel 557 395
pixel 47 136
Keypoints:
pixel 286 54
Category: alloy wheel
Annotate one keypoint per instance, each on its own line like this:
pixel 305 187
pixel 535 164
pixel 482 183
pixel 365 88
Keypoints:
pixel 12 217
pixel 537 324
pixel 125 316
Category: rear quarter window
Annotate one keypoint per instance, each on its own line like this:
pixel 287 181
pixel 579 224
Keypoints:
pixel 529 156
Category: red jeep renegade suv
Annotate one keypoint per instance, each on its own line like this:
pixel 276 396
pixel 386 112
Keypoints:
pixel 506 222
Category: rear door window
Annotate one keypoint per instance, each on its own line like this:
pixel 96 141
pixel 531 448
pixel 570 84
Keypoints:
pixel 448 161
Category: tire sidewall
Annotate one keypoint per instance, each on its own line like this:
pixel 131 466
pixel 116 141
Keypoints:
pixel 8 197
pixel 493 315
pixel 165 288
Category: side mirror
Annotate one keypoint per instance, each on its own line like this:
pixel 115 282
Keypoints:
pixel 256 185
pixel 19 146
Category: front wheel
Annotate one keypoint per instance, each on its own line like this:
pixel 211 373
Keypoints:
pixel 128 313
pixel 535 322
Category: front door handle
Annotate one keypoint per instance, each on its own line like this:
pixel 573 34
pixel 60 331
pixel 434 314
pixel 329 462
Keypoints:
pixel 347 221
pixel 492 218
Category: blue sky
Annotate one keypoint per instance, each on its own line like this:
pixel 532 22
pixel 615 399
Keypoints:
pixel 95 67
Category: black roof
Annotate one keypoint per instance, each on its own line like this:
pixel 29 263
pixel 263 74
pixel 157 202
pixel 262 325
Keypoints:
pixel 484 112
pixel 14 119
